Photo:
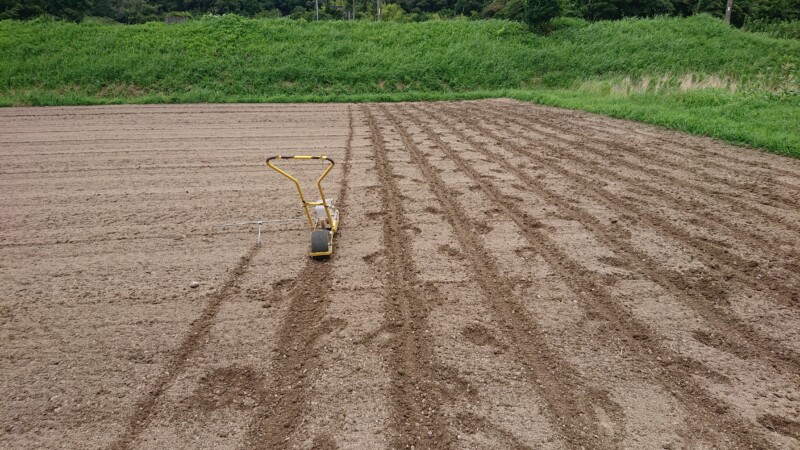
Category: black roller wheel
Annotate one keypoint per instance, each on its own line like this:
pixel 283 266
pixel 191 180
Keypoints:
pixel 320 243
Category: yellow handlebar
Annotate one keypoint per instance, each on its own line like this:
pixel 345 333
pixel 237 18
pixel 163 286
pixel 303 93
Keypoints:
pixel 306 203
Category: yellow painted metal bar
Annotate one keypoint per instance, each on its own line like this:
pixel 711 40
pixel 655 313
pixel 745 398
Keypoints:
pixel 296 183
pixel 322 195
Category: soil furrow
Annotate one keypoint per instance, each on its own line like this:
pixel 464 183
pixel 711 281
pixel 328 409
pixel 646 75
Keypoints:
pixel 724 190
pixel 713 254
pixel 145 111
pixel 150 150
pixel 674 372
pixel 702 172
pixel 770 170
pixel 569 402
pixel 129 169
pixel 694 157
pixel 770 245
pixel 296 361
pixel 712 218
pixel 416 400
pixel 688 145
pixel 120 128
pixel 507 275
pixel 194 340
pixel 179 140
pixel 736 336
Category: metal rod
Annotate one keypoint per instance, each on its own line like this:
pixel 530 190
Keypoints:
pixel 259 222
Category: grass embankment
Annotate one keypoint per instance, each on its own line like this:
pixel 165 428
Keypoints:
pixel 693 74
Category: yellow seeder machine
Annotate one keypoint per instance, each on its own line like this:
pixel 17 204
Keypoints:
pixel 322 215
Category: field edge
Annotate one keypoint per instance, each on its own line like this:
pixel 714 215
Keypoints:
pixel 700 113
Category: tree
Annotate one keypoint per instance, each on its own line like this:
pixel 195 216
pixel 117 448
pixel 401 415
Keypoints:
pixel 539 12
pixel 392 12
pixel 134 11
pixel 617 9
pixel 728 9
pixel 21 10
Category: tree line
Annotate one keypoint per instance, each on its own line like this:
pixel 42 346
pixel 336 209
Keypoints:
pixel 137 11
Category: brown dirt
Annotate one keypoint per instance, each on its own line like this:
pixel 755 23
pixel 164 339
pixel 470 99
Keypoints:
pixel 506 275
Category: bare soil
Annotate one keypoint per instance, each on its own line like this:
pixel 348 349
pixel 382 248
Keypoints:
pixel 506 276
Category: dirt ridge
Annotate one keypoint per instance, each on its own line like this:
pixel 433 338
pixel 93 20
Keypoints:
pixel 704 149
pixel 653 173
pixel 676 373
pixel 623 204
pixel 417 401
pixel 560 122
pixel 569 402
pixel 736 336
pixel 711 219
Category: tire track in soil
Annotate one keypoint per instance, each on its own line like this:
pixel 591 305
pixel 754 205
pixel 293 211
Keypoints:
pixel 711 254
pixel 654 172
pixel 416 399
pixel 569 403
pixel 733 334
pixel 614 140
pixel 711 219
pixel 296 361
pixel 194 340
pixel 673 372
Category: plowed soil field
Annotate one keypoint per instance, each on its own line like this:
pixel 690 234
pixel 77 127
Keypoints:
pixel 506 276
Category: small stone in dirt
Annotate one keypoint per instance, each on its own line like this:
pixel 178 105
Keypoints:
pixel 194 284
pixel 614 220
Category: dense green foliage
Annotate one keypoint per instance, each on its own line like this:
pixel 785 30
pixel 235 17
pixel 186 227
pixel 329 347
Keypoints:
pixel 137 11
pixel 694 74
pixel 788 29
pixel 539 12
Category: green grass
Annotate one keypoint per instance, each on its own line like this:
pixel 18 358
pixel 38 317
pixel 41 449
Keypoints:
pixel 694 74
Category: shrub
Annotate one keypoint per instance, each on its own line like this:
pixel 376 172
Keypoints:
pixel 564 23
pixel 392 12
pixel 539 12
pixel 786 30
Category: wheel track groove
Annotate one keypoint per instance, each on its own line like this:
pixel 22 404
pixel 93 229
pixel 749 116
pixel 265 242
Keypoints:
pixel 296 361
pixel 675 372
pixel 176 365
pixel 737 337
pixel 710 253
pixel 568 400
pixel 416 400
